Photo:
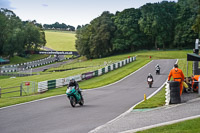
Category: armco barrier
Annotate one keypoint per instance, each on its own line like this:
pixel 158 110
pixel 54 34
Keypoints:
pixel 45 85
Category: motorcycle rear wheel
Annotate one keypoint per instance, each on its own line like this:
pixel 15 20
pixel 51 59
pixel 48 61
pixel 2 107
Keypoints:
pixel 82 101
pixel 150 85
pixel 73 101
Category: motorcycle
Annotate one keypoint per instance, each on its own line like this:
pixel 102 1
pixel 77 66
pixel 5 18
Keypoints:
pixel 157 71
pixel 74 96
pixel 150 82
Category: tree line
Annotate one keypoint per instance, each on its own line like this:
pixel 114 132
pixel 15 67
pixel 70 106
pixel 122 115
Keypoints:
pixel 16 35
pixel 59 26
pixel 164 25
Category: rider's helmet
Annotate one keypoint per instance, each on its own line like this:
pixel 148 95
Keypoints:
pixel 157 65
pixel 72 80
pixel 149 74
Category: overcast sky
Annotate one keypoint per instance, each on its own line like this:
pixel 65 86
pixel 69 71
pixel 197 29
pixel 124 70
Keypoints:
pixel 70 12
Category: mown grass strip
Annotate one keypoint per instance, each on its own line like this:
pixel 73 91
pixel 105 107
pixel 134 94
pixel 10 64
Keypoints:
pixel 189 126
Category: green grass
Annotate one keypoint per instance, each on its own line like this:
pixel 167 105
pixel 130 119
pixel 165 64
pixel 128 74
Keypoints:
pixel 155 101
pixel 4 77
pixel 60 41
pixel 142 58
pixel 189 126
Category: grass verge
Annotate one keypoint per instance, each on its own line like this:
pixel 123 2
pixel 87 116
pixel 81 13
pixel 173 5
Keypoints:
pixel 189 126
pixel 153 102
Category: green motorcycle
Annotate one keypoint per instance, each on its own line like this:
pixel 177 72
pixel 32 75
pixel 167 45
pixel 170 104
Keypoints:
pixel 74 96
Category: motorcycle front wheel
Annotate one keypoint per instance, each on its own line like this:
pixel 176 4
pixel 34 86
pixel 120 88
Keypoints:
pixel 73 101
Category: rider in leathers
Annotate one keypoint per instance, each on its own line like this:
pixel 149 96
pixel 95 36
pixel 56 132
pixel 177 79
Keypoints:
pixel 74 83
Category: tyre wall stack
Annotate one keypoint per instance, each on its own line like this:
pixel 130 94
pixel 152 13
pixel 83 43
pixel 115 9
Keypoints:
pixel 174 92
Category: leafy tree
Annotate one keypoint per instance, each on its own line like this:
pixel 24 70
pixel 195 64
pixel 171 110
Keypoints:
pixel 196 26
pixel 184 35
pixel 3 31
pixel 128 36
pixel 17 36
pixel 82 42
pixel 34 37
pixel 78 27
pixel 94 40
pixel 11 34
pixel 157 21
pixel 102 29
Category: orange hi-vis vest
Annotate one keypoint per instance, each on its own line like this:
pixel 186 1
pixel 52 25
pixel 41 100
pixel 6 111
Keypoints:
pixel 177 74
pixel 196 77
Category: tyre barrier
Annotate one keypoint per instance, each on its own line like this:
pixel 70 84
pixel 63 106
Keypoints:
pixel 174 92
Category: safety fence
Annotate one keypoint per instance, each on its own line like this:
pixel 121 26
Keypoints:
pixel 25 88
pixel 51 84
pixel 27 65
pixel 15 89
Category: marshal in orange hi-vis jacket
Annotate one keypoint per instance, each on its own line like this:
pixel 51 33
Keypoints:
pixel 177 75
pixel 195 84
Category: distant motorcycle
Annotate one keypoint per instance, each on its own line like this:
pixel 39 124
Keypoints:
pixel 157 70
pixel 150 82
pixel 74 96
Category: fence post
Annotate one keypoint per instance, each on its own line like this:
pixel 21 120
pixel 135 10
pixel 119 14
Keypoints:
pixel 21 89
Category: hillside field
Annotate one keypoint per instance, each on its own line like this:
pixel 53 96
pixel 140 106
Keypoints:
pixel 60 41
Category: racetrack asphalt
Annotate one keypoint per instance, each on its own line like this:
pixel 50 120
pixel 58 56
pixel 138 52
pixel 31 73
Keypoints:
pixel 138 120
pixel 55 115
